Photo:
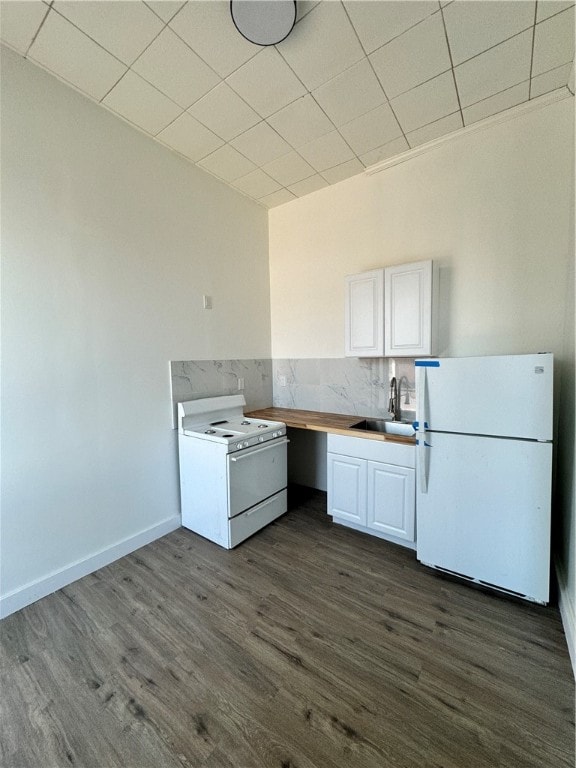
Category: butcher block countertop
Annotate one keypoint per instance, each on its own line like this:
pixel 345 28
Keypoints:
pixel 335 423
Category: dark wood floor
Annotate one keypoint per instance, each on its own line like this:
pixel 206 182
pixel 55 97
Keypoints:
pixel 309 646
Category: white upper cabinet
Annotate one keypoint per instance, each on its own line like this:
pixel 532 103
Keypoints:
pixel 408 310
pixel 389 312
pixel 364 314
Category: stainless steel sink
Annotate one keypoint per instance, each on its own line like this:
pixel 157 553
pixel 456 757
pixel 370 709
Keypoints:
pixel 387 426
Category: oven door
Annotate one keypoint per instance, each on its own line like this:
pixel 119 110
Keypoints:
pixel 256 473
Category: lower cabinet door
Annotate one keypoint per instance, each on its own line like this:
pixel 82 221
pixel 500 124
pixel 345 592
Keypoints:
pixel 347 488
pixel 391 500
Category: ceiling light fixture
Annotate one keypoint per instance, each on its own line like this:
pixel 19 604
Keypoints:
pixel 264 22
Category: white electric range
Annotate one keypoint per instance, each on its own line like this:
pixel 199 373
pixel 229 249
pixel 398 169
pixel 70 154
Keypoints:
pixel 233 472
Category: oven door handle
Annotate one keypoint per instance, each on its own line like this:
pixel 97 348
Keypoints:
pixel 271 444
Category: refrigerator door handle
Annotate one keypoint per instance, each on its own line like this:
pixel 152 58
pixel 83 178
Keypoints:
pixel 421 398
pixel 422 447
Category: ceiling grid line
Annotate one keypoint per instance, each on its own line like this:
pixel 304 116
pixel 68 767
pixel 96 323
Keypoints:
pixel 49 6
pixel 452 66
pixel 371 65
pixel 532 49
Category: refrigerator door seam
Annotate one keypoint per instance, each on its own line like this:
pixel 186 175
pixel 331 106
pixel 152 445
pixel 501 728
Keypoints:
pixel 493 437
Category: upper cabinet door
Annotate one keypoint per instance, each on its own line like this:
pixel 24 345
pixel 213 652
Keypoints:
pixel 408 310
pixel 364 313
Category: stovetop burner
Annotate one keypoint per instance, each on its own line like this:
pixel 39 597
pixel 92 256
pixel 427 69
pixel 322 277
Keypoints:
pixel 221 420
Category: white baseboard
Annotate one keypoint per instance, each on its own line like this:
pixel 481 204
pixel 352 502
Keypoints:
pixel 19 598
pixel 567 612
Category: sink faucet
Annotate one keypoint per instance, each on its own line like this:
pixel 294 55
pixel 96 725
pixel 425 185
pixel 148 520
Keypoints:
pixel 394 404
pixel 407 391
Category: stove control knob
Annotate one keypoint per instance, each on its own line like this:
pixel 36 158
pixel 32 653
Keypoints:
pixel 260 439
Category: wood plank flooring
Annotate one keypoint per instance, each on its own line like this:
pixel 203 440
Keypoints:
pixel 308 646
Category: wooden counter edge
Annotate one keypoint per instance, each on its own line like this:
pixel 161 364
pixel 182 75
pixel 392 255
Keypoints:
pixel 323 425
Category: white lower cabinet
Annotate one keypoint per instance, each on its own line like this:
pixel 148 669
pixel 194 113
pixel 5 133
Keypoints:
pixel 391 500
pixel 371 487
pixel 346 488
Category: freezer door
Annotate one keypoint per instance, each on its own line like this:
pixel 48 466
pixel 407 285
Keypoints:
pixel 508 396
pixel 483 510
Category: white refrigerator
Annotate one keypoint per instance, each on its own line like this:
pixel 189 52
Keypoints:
pixel 484 469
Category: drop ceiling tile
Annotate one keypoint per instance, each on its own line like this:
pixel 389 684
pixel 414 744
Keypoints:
pixel 175 70
pixel 327 151
pixel 416 56
pixel 277 198
pixel 371 130
pixel 550 8
pixel 141 103
pixel 208 28
pixel 495 70
pixel 289 169
pixel 343 171
pixel 390 149
pixel 189 137
pixel 350 94
pixel 124 29
pixel 554 42
pixel 301 122
pixel 166 9
pixel 224 112
pixel 550 81
pixel 474 26
pixel 266 82
pixel 227 163
pixel 571 80
pixel 311 184
pixel 261 144
pixel 322 45
pixel 19 22
pixel 257 184
pixel 426 103
pixel 71 55
pixel 304 7
pixel 379 22
pixel 497 103
pixel 433 130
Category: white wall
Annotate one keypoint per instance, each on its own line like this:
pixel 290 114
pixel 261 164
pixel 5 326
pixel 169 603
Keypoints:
pixel 566 476
pixel 108 243
pixel 495 210
pixel 491 208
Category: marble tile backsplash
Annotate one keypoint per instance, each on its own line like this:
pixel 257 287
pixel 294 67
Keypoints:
pixel 192 379
pixel 336 385
pixel 343 385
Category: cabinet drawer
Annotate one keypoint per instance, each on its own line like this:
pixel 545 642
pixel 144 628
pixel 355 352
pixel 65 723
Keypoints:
pixel 373 450
pixel 248 523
